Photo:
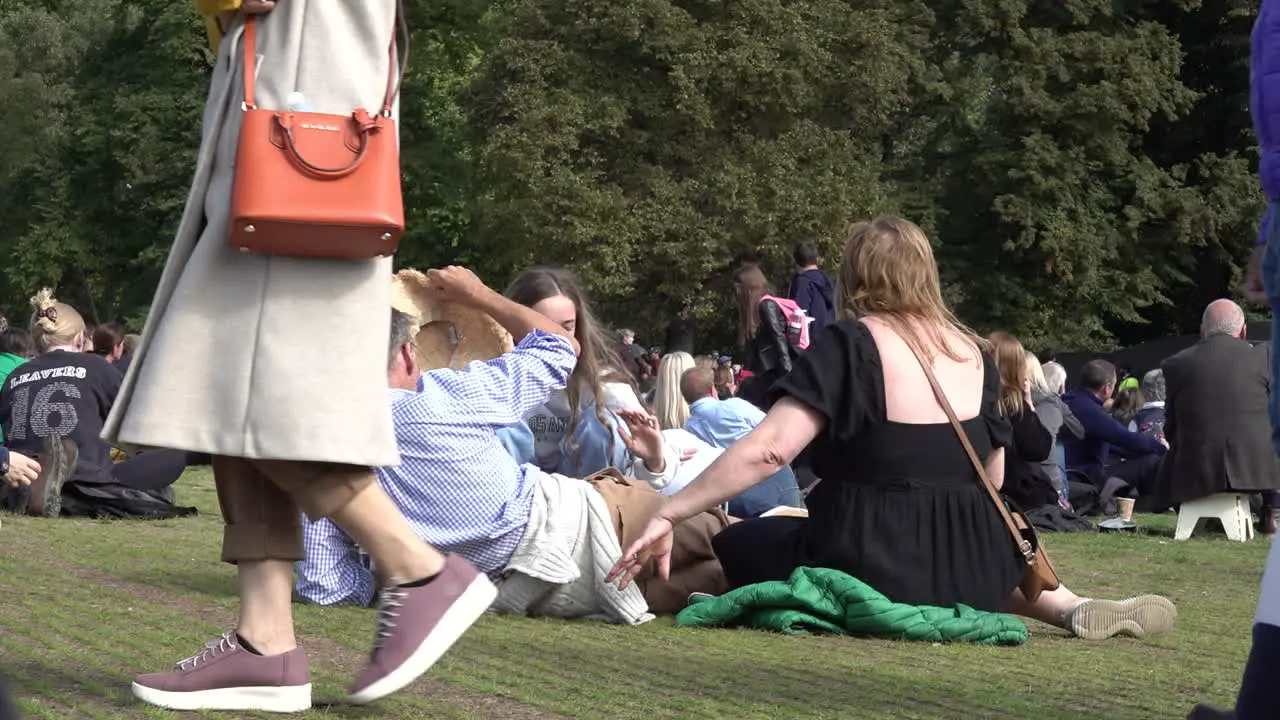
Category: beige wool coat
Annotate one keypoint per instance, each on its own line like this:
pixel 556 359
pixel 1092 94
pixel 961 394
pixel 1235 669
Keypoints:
pixel 265 357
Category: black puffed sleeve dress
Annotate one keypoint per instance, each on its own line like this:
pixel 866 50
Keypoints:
pixel 900 507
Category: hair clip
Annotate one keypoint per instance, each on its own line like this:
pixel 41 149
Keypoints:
pixel 50 312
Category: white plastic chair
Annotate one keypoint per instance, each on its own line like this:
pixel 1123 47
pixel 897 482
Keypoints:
pixel 1231 508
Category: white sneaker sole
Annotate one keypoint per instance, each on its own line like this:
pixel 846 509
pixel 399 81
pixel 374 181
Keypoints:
pixel 293 698
pixel 461 615
pixel 1138 617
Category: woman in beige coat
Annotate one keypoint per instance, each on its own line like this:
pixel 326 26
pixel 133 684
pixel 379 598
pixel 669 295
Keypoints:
pixel 226 366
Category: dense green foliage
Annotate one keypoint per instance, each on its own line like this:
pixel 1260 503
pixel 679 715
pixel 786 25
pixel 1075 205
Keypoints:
pixel 1083 166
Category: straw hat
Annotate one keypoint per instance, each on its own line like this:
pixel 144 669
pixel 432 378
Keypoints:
pixel 449 335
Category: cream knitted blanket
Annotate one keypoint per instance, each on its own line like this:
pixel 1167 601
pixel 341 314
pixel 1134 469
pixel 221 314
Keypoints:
pixel 569 546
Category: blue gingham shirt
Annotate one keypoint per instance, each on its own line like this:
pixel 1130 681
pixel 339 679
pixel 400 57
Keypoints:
pixel 457 486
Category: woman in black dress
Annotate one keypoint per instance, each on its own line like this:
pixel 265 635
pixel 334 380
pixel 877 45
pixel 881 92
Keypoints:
pixel 1026 484
pixel 900 507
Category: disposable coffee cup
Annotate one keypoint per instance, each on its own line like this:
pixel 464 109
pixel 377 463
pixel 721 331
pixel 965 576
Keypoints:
pixel 1125 505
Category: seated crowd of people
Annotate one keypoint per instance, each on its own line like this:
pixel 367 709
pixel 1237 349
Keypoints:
pixel 548 466
pixel 580 496
pixel 58 380
pixel 1194 427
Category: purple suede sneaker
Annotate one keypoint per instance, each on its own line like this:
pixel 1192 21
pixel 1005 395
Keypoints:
pixel 417 625
pixel 225 676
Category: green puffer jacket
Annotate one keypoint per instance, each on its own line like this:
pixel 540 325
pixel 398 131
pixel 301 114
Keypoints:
pixel 822 600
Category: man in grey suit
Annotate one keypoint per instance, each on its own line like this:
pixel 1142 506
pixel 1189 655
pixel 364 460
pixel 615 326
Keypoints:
pixel 1216 415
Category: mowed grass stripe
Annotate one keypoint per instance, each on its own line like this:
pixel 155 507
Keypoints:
pixel 96 570
pixel 78 614
pixel 735 675
pixel 785 659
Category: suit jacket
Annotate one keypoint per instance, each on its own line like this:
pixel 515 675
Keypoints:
pixel 1216 420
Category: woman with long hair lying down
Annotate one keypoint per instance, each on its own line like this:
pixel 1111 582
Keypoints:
pixel 580 430
pixel 919 527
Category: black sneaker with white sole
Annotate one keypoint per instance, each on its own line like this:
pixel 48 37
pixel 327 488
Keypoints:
pixel 57 461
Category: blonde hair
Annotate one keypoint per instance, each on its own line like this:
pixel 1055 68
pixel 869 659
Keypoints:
pixel 1036 372
pixel 888 271
pixel 54 323
pixel 1011 362
pixel 668 402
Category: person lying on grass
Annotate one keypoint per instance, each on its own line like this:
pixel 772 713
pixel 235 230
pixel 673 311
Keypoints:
pixel 901 506
pixel 547 539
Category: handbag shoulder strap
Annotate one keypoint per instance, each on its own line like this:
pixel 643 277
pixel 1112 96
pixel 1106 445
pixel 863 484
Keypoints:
pixel 395 71
pixel 1024 546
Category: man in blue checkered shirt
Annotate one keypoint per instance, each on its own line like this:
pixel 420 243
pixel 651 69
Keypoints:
pixel 457 486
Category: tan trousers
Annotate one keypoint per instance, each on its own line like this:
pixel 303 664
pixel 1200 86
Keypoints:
pixel 694 567
pixel 262 503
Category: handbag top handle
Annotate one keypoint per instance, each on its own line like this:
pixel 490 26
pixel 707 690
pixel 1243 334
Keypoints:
pixel 1024 547
pixel 394 78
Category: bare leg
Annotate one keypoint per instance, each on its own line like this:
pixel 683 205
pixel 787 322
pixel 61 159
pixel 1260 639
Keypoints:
pixel 374 521
pixel 1051 607
pixel 1097 619
pixel 266 618
pixel 264 669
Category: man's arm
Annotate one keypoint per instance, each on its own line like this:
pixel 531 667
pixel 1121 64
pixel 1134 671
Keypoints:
pixel 460 285
pixel 333 573
pixel 1071 422
pixel 1100 425
pixel 502 391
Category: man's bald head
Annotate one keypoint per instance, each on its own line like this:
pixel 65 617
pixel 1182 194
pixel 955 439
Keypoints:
pixel 696 384
pixel 1222 317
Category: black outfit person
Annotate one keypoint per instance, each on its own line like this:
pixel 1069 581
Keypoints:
pixel 1025 481
pixel 919 527
pixel 64 394
pixel 768 356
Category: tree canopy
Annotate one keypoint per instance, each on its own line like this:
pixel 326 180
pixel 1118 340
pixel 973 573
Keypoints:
pixel 1083 167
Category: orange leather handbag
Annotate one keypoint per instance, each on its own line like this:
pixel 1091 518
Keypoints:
pixel 314 185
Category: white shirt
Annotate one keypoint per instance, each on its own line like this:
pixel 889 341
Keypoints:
pixel 680 441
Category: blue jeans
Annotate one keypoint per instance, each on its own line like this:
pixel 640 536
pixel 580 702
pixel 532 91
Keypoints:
pixel 1271 283
pixel 778 489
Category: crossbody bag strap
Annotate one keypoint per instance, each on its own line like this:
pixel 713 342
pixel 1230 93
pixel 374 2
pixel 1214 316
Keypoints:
pixel 395 71
pixel 1024 547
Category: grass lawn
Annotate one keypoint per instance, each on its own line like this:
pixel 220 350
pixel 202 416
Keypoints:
pixel 86 605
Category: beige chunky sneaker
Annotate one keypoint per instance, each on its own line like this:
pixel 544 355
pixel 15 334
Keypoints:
pixel 1138 617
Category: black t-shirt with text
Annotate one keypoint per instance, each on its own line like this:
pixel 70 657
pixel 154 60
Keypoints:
pixel 66 394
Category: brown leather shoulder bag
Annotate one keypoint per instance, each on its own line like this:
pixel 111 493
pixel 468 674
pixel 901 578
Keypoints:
pixel 1040 575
